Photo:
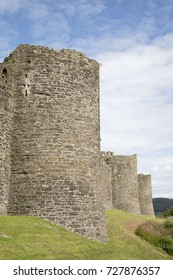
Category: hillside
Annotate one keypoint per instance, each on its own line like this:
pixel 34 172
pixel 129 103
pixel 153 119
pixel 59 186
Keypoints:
pixel 161 204
pixel 24 237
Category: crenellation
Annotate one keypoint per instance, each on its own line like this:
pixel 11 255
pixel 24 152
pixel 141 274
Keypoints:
pixel 107 154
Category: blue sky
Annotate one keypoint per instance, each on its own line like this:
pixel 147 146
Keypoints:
pixel 133 41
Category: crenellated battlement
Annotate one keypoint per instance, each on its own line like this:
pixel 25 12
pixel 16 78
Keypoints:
pixel 107 154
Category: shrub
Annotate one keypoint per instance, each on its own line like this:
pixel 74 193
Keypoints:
pixel 156 229
pixel 148 236
pixel 152 232
pixel 158 234
pixel 168 212
pixel 166 243
pixel 169 225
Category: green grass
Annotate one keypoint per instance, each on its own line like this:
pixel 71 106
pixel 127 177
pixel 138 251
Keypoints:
pixel 26 238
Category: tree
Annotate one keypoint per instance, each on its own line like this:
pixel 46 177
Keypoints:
pixel 168 212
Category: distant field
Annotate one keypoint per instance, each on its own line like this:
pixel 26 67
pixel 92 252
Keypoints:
pixel 23 237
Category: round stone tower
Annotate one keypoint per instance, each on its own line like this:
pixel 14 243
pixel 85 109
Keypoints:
pixel 145 194
pixel 125 194
pixel 55 161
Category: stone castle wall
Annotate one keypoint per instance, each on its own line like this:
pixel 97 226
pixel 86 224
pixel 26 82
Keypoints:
pixel 128 190
pixel 50 162
pixel 125 195
pixel 106 185
pixel 56 139
pixel 145 194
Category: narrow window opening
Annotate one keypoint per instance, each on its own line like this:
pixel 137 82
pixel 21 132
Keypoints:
pixel 4 77
pixel 4 73
pixel 26 84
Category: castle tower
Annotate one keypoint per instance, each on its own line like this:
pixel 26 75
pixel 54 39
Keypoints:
pixel 125 194
pixel 145 194
pixel 55 145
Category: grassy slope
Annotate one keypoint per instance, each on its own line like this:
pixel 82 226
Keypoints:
pixel 33 238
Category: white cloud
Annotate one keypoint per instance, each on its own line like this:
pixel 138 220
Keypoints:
pixel 37 10
pixel 81 9
pixel 168 167
pixel 155 168
pixel 11 6
pixel 137 91
pixel 55 27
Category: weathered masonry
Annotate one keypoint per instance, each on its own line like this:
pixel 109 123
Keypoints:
pixel 50 160
pixel 122 187
pixel 145 194
pixel 50 138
